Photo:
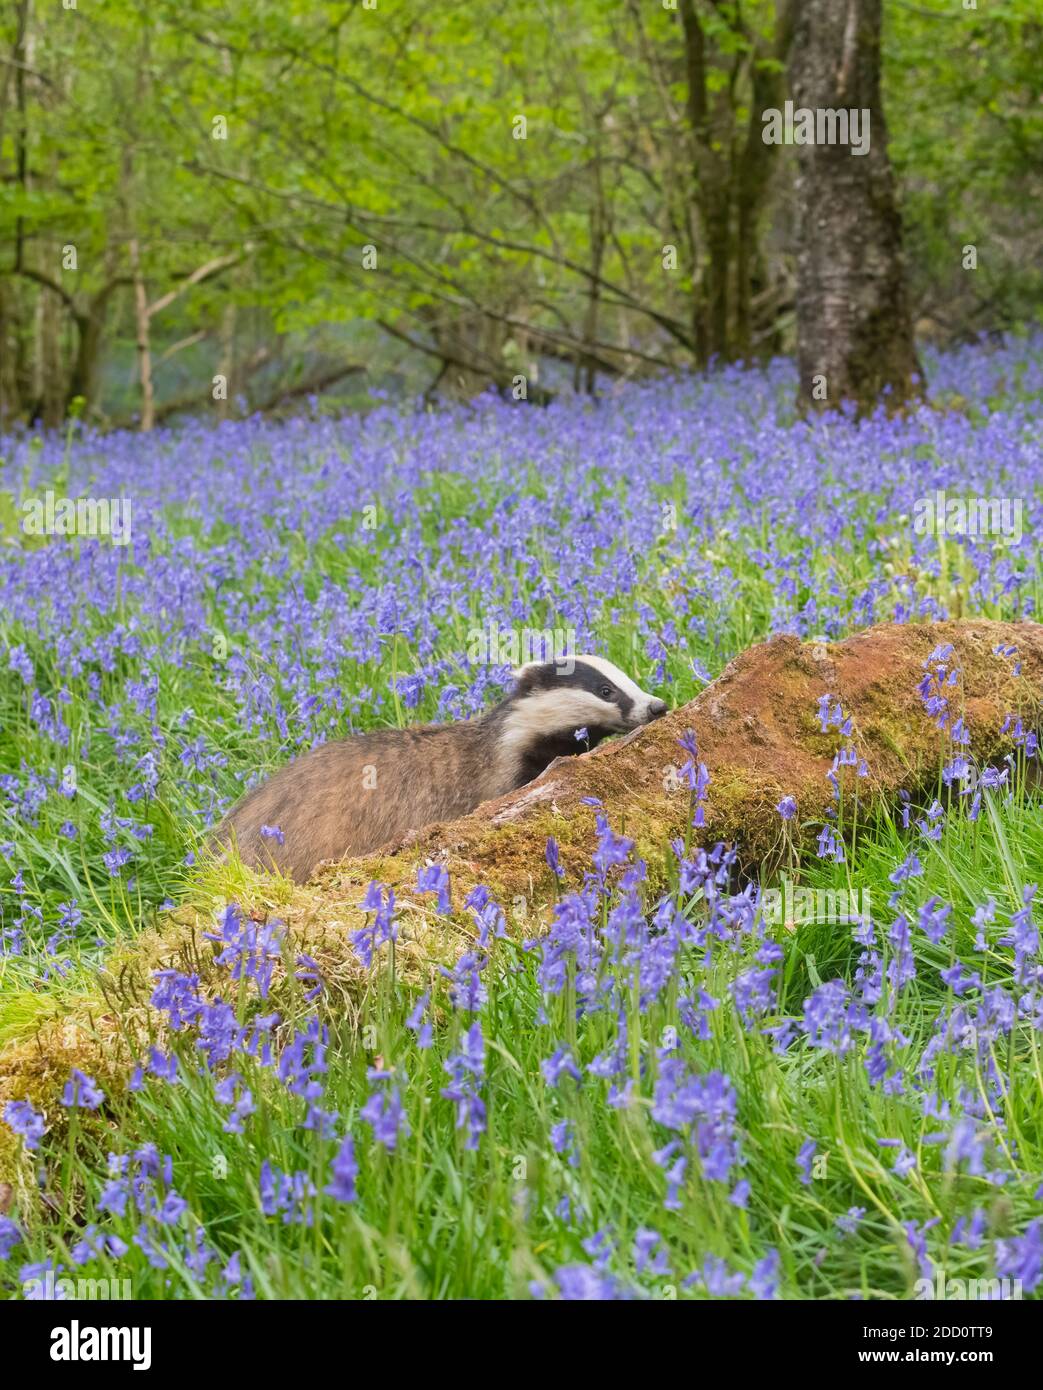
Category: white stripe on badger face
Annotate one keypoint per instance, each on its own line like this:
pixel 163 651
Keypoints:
pixel 552 712
pixel 615 675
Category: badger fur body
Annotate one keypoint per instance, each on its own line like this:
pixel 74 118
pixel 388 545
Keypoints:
pixel 353 795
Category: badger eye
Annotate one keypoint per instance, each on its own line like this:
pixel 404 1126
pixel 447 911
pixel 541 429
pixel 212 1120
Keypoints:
pixel 605 692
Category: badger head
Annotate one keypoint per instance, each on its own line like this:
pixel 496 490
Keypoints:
pixel 553 699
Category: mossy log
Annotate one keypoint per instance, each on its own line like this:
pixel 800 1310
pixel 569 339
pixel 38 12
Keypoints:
pixel 758 732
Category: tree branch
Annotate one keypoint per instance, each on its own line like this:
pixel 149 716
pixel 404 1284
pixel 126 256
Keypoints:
pixel 201 273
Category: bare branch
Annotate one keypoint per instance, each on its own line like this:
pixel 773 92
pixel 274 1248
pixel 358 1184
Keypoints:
pixel 201 273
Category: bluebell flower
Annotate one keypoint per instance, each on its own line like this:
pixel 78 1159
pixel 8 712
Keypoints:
pixel 81 1092
pixel 20 1117
pixel 344 1170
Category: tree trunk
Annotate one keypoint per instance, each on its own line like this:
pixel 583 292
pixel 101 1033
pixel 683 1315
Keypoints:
pixel 52 369
pixel 712 180
pixel 10 400
pixel 84 378
pixel 854 335
pixel 731 176
pixel 759 735
pixel 143 338
pixel 471 346
pixel 754 171
pixel 22 54
pixel 586 372
pixel 226 361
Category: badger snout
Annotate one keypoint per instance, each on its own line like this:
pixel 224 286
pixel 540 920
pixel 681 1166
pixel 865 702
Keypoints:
pixel 654 709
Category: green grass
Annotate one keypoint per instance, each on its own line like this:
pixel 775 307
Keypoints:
pixel 434 1220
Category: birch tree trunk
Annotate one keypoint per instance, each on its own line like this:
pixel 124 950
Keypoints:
pixel 854 335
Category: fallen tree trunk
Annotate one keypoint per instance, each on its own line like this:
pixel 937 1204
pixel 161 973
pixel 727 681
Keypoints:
pixel 759 734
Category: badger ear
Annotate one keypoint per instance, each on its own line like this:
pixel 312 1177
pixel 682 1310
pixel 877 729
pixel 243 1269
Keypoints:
pixel 519 673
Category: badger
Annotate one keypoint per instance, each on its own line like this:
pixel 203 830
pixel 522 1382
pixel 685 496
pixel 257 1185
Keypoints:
pixel 354 795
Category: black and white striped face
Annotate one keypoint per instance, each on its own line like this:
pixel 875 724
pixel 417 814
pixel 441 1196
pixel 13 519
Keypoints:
pixel 554 698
